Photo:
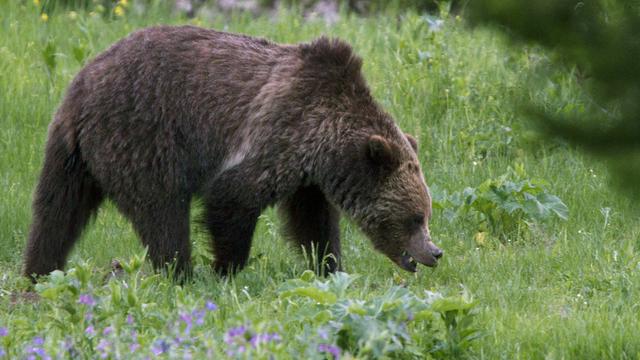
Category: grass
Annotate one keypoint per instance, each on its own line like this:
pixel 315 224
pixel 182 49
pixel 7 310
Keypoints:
pixel 557 290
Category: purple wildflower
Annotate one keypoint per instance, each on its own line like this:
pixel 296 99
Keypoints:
pixel 90 331
pixel 236 331
pixel 2 352
pixel 324 335
pixel 187 355
pixel 160 347
pixel 69 347
pixel 178 340
pixel 230 336
pixel 255 340
pixel 211 306
pixel 88 316
pixel 107 331
pixel 133 347
pixel 86 299
pixel 103 344
pixel 331 349
pixel 129 319
pixel 258 339
pixel 103 348
pixel 187 319
pixel 3 331
pixel 233 333
pixel 199 315
pixel 37 350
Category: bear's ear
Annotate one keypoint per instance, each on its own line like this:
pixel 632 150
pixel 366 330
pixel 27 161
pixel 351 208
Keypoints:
pixel 412 141
pixel 382 152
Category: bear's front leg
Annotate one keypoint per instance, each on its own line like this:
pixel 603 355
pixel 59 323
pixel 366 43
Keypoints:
pixel 312 223
pixel 231 226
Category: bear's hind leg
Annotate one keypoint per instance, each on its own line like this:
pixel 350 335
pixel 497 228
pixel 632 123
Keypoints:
pixel 313 223
pixel 65 199
pixel 231 228
pixel 164 228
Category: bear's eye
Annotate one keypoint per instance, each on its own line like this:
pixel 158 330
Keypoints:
pixel 416 221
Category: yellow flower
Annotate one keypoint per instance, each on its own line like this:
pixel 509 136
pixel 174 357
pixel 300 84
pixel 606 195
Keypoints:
pixel 196 22
pixel 36 2
pixel 124 3
pixel 481 238
pixel 44 17
pixel 118 10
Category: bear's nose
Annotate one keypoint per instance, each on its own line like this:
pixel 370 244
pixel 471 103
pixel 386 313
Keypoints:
pixel 438 253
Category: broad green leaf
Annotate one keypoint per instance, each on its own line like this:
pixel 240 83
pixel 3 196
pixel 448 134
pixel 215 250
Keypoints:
pixel 320 296
pixel 49 55
pixel 308 276
pixel 389 305
pixel 79 53
pixel 533 207
pixel 355 308
pixel 340 281
pixel 510 206
pixel 50 293
pixel 556 205
pixel 424 315
pixel 322 317
pixel 451 304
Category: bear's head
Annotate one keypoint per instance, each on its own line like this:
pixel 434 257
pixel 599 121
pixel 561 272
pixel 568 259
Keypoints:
pixel 369 168
pixel 398 203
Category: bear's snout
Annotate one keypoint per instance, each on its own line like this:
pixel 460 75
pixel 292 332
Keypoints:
pixel 420 250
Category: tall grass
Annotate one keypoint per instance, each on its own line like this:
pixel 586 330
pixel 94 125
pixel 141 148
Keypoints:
pixel 564 290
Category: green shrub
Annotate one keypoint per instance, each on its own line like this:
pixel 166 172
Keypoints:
pixel 503 206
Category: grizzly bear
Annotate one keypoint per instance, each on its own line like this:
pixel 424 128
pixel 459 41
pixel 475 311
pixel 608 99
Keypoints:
pixel 169 113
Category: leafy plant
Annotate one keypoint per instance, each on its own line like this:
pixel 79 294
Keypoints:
pixel 49 58
pixel 88 317
pixel 379 327
pixel 502 206
pixel 460 331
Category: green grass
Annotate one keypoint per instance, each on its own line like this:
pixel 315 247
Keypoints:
pixel 563 290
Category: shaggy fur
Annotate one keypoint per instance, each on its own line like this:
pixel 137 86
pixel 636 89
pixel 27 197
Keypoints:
pixel 169 113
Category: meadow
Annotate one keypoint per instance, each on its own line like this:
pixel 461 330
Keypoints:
pixel 542 254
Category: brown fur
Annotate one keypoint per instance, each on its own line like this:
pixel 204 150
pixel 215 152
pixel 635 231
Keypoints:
pixel 173 112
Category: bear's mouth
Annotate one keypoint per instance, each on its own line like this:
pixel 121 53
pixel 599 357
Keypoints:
pixel 409 263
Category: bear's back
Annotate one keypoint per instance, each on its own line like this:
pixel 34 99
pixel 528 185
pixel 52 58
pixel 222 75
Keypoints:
pixel 159 66
pixel 167 99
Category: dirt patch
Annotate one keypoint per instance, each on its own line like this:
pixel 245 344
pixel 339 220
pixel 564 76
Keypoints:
pixel 25 297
